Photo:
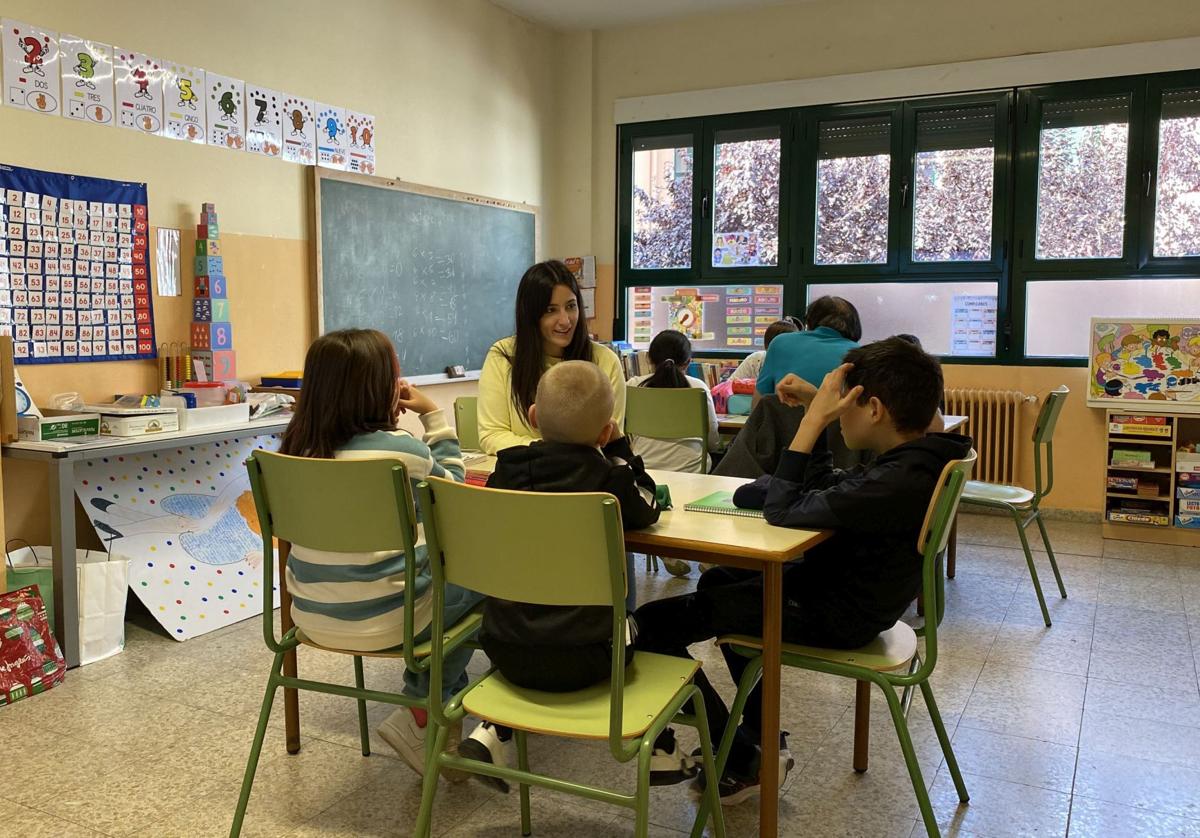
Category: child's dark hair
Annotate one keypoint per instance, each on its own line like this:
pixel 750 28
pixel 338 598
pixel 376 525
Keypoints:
pixel 528 358
pixel 837 314
pixel 1160 332
pixel 349 389
pixel 777 328
pixel 670 352
pixel 905 379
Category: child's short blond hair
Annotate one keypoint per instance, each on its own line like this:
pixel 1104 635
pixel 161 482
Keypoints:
pixel 574 402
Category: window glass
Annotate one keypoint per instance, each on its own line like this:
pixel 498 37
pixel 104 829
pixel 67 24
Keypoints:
pixel 853 166
pixel 662 202
pixel 745 217
pixel 953 184
pixel 1177 200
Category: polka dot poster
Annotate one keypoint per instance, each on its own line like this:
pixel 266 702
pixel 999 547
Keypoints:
pixel 185 518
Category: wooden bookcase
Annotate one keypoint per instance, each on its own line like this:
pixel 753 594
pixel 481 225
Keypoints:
pixel 1145 494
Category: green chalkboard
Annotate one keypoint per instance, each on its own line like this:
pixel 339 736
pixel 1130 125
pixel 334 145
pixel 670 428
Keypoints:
pixel 435 270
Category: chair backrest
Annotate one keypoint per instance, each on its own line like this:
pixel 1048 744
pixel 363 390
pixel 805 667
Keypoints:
pixel 666 413
pixel 466 422
pixel 342 506
pixel 1043 441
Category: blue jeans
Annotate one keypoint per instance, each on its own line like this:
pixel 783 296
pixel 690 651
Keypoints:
pixel 459 601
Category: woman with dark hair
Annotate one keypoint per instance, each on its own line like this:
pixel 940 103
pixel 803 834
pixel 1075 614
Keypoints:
pixel 548 330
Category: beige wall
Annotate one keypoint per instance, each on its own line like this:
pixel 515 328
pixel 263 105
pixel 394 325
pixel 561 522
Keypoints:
pixel 466 96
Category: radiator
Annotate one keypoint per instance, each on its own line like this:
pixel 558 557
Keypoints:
pixel 995 420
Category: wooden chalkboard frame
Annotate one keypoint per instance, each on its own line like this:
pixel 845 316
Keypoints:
pixel 320 174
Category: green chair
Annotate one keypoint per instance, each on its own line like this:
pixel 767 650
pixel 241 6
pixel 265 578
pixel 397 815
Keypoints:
pixel 513 550
pixel 669 413
pixel 1023 504
pixel 351 506
pixel 891 660
pixel 466 422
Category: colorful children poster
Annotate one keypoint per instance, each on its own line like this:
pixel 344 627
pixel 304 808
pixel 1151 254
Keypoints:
pixel 299 130
pixel 734 250
pixel 973 325
pixel 264 129
pixel 87 80
pixel 332 136
pixel 225 115
pixel 184 103
pixel 361 150
pixel 31 57
pixel 1155 364
pixel 186 519
pixel 139 91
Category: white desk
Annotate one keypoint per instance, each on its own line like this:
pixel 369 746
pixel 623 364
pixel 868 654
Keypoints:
pixel 60 458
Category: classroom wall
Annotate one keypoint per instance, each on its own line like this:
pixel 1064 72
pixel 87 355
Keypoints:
pixel 466 96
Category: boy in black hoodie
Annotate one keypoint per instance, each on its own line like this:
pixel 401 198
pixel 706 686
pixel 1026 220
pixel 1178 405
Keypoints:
pixel 547 647
pixel 858 583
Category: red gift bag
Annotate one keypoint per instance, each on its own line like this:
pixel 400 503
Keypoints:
pixel 30 660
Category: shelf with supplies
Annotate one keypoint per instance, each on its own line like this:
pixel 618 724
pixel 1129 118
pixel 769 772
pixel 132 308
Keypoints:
pixel 1152 478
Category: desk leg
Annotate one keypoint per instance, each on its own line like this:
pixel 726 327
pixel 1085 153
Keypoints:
pixel 768 812
pixel 862 724
pixel 291 697
pixel 62 543
pixel 952 548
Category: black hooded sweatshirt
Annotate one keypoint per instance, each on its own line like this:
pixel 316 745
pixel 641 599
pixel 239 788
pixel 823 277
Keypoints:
pixel 564 467
pixel 860 581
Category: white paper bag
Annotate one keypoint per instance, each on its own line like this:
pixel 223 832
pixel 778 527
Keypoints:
pixel 103 580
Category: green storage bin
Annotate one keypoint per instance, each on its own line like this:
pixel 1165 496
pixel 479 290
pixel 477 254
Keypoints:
pixel 27 566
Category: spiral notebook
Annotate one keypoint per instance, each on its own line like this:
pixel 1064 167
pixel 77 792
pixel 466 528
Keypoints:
pixel 721 503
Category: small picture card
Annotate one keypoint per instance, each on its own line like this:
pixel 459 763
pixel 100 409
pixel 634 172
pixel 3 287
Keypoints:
pixel 360 151
pixel 139 80
pixel 31 60
pixel 263 126
pixel 226 116
pixel 87 80
pixel 299 130
pixel 184 102
pixel 331 136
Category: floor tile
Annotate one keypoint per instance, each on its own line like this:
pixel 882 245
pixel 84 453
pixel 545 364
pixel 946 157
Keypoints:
pixel 1140 738
pixel 1029 762
pixel 1181 707
pixel 998 807
pixel 1096 818
pixel 32 823
pixel 1032 703
pixel 1140 783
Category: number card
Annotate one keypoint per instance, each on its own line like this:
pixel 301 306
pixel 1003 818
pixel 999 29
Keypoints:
pixel 184 100
pixel 139 91
pixel 264 129
pixel 361 142
pixel 299 131
pixel 87 80
pixel 226 118
pixel 30 67
pixel 74 269
pixel 331 136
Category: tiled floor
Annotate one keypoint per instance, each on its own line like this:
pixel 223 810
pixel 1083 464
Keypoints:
pixel 1090 728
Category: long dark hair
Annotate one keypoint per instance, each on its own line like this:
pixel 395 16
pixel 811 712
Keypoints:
pixel 670 352
pixel 349 389
pixel 528 358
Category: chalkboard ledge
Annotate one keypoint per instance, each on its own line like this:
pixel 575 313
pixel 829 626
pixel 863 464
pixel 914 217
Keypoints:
pixel 441 378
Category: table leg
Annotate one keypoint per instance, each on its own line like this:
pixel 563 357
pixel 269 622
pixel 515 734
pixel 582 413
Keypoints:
pixel 768 812
pixel 62 544
pixel 952 548
pixel 291 697
pixel 862 724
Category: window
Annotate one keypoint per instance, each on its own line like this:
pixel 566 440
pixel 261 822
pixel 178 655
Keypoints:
pixel 1058 312
pixel 954 184
pixel 1083 151
pixel 745 217
pixel 714 317
pixel 662 202
pixel 1177 196
pixel 853 190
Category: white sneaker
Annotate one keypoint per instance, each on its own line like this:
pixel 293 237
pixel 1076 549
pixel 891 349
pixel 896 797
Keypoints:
pixel 405 731
pixel 485 745
pixel 668 762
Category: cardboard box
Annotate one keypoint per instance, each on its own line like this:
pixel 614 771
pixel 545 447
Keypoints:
pixel 140 425
pixel 57 426
pixel 1191 522
pixel 1190 507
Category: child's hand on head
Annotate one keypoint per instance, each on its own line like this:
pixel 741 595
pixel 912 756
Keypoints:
pixel 829 402
pixel 409 397
pixel 794 391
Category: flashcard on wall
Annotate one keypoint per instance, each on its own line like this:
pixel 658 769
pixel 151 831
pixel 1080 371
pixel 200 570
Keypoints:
pixel 263 126
pixel 299 130
pixel 183 102
pixel 226 118
pixel 30 67
pixel 360 145
pixel 139 91
pixel 331 136
pixel 87 80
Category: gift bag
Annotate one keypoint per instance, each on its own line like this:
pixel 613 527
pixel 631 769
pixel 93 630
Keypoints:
pixel 30 660
pixel 25 566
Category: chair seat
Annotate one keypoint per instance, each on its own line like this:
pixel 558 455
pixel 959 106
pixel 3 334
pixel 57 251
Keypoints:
pixel 995 494
pixel 467 625
pixel 651 681
pixel 892 649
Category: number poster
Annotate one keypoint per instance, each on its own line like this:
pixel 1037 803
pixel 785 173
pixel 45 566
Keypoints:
pixel 74 268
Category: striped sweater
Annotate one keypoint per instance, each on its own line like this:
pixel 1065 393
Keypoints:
pixel 356 600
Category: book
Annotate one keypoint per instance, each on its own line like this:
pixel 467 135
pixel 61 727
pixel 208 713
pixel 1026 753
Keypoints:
pixel 1130 429
pixel 1128 419
pixel 721 503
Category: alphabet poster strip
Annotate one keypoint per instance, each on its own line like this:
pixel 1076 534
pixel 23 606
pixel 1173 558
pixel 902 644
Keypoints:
pixel 139 91
pixel 183 98
pixel 263 127
pixel 87 80
pixel 226 117
pixel 30 67
pixel 299 130
pixel 331 136
pixel 361 146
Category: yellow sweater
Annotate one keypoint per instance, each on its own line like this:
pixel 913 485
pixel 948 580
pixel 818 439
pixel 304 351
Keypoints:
pixel 501 424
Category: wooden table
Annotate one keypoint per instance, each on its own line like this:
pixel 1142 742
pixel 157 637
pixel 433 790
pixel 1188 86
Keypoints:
pixel 751 544
pixel 730 423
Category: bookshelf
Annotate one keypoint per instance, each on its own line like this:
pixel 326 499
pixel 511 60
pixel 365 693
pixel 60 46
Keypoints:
pixel 1152 478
